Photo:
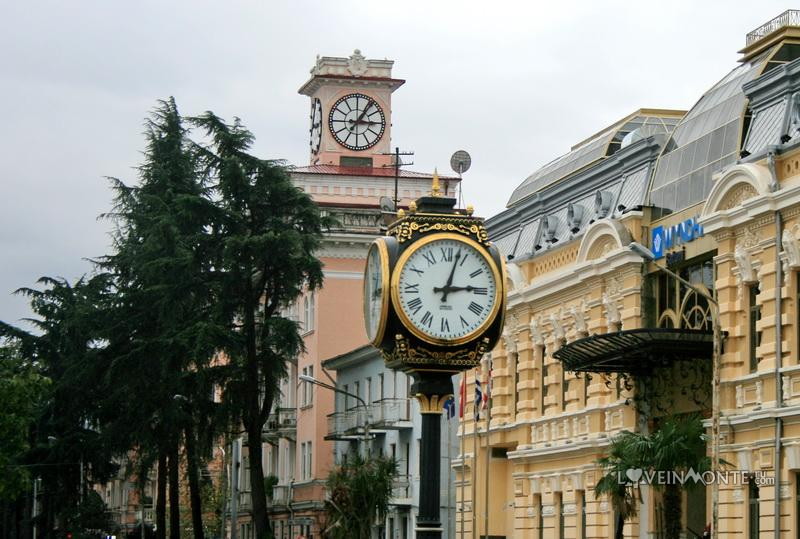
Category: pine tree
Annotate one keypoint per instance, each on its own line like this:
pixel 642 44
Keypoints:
pixel 267 232
pixel 164 335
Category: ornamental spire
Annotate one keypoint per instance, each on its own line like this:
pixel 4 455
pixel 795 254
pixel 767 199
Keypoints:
pixel 435 191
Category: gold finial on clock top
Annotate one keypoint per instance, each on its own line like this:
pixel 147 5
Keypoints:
pixel 470 209
pixel 435 191
pixel 401 213
pixel 412 207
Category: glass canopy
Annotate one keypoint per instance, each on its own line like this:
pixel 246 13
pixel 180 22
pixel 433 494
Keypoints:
pixel 705 141
pixel 643 123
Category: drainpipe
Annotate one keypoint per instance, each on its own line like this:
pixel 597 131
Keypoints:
pixel 778 345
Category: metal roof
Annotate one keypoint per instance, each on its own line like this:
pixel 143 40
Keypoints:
pixel 635 350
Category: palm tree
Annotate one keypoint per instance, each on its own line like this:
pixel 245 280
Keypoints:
pixel 359 494
pixel 679 445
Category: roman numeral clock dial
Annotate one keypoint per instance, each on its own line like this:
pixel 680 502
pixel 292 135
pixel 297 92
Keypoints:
pixel 445 288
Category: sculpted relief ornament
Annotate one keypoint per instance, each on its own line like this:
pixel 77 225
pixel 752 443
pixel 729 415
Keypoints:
pixel 536 332
pixel 746 272
pixel 580 321
pixel 613 318
pixel 558 329
pixel 357 64
pixel 791 252
pixel 510 341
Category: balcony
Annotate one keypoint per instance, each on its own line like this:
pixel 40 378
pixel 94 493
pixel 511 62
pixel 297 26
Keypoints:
pixel 391 414
pixel 282 423
pixel 280 495
pixel 790 17
pixel 346 425
pixel 401 490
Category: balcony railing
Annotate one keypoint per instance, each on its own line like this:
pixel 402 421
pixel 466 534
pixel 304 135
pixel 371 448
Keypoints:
pixel 391 413
pixel 401 490
pixel 282 423
pixel 790 17
pixel 280 495
pixel 346 424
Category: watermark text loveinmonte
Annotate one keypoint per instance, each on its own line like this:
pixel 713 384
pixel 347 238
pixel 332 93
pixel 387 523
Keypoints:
pixel 691 477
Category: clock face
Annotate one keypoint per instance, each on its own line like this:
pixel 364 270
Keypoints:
pixel 376 290
pixel 445 289
pixel 356 122
pixel 316 125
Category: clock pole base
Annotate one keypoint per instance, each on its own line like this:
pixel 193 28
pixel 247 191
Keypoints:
pixel 431 389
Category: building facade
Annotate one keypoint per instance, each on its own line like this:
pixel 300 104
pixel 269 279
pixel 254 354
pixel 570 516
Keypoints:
pixel 390 418
pixel 599 340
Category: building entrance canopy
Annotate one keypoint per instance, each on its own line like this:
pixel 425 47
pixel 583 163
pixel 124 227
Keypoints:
pixel 635 351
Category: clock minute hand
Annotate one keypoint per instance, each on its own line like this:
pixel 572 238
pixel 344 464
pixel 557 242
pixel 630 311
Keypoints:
pixel 446 288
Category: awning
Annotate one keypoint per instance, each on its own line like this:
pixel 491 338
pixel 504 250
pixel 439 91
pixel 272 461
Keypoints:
pixel 635 350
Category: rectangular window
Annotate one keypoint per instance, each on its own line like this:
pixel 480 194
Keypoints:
pixel 582 513
pixel 308 312
pixel 379 388
pixel 754 334
pixel 307 390
pixel 357 390
pixel 346 397
pixel 540 512
pixel 754 512
pixel 564 388
pixel 368 390
pixel 347 161
pixel 309 461
pixel 560 514
pixel 514 359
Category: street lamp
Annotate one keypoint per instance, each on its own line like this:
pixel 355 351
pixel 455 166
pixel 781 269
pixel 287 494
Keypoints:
pixel 648 255
pixel 367 418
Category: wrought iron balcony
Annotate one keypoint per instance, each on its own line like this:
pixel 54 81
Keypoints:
pixel 391 414
pixel 790 17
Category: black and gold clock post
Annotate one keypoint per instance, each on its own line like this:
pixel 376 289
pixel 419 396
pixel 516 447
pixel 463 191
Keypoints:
pixel 434 298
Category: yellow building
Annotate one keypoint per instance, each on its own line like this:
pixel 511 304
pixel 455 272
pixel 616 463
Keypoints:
pixel 598 340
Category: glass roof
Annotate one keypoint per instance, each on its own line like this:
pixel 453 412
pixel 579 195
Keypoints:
pixel 594 149
pixel 705 141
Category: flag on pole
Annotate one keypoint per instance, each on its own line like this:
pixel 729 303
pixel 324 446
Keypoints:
pixel 487 393
pixel 450 407
pixel 478 395
pixel 462 395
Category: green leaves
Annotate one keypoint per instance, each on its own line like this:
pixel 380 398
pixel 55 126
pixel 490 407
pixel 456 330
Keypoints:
pixel 359 493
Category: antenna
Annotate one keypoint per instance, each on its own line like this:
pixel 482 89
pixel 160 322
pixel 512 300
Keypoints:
pixel 460 163
pixel 397 164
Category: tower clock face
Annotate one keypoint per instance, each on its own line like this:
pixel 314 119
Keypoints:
pixel 316 125
pixel 376 291
pixel 445 289
pixel 357 122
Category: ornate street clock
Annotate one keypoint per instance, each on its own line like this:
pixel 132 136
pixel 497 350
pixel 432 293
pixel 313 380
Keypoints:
pixel 356 122
pixel 434 298
pixel 444 305
pixel 316 125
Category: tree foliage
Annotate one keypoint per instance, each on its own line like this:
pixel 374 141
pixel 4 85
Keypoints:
pixel 209 247
pixel 678 445
pixel 360 490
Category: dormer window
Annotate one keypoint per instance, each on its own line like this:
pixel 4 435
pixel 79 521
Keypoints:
pixel 602 204
pixel 574 217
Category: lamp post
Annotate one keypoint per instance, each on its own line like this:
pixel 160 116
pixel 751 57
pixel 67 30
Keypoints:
pixel 367 418
pixel 648 255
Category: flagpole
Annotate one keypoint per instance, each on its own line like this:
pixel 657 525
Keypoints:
pixel 475 417
pixel 462 393
pixel 488 392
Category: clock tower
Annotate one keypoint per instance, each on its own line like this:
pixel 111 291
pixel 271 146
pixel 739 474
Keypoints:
pixel 351 111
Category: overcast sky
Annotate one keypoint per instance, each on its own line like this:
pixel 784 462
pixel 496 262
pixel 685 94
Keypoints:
pixel 514 83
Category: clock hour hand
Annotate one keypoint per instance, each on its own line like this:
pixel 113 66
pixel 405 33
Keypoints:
pixel 447 288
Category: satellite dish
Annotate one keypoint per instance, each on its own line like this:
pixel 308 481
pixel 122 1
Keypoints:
pixel 387 204
pixel 460 162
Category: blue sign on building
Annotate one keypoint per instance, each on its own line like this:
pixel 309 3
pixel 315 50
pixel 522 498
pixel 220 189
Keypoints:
pixel 663 239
